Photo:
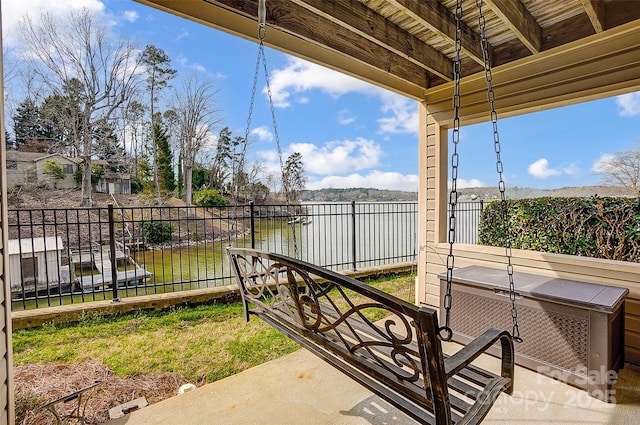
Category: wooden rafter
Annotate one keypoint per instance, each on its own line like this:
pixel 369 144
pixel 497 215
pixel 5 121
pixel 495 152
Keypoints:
pixel 436 17
pixel 393 43
pixel 290 17
pixel 363 21
pixel 520 21
pixel 595 12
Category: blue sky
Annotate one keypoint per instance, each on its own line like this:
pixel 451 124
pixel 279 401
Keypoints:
pixel 350 133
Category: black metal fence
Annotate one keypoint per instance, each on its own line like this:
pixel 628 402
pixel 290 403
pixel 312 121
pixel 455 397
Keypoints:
pixel 64 256
pixel 467 221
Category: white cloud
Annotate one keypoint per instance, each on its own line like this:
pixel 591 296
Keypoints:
pixel 540 169
pixel 130 15
pixel 404 114
pixel 572 169
pixel 374 179
pixel 183 34
pixel 629 104
pixel 299 76
pixel 339 157
pixel 345 117
pixel 603 163
pixel 14 11
pixel 463 183
pixel 262 133
pixel 182 60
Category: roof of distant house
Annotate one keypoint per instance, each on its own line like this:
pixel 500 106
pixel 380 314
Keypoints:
pixel 35 156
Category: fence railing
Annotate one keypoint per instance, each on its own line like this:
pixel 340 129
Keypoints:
pixel 64 256
pixel 467 221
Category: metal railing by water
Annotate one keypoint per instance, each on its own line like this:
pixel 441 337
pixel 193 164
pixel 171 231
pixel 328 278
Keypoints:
pixel 65 256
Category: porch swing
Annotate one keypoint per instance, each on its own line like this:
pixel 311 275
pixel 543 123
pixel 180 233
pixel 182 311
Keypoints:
pixel 338 318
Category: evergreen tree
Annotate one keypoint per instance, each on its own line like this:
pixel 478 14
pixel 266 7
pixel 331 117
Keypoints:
pixel 109 148
pixel 200 177
pixel 222 161
pixel 28 123
pixel 166 175
pixel 9 143
pixel 294 179
pixel 158 71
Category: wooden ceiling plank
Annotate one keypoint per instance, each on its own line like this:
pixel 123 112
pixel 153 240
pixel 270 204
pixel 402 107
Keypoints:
pixel 304 24
pixel 516 16
pixel 595 11
pixel 438 19
pixel 361 20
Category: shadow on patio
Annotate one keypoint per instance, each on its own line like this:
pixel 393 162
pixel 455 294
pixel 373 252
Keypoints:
pixel 302 389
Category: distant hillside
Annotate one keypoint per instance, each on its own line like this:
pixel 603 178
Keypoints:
pixel 467 194
pixel 71 198
pixel 357 194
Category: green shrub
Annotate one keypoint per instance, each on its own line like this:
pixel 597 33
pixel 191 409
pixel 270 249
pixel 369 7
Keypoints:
pixel 209 198
pixel 54 169
pixel 136 185
pixel 592 227
pixel 156 231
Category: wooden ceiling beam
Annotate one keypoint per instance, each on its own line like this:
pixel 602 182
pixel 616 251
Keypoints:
pixel 598 66
pixel 302 23
pixel 595 11
pixel 361 20
pixel 437 18
pixel 516 16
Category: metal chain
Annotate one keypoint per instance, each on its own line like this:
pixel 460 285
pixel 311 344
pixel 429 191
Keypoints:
pixel 445 332
pixel 262 60
pixel 277 137
pixel 253 96
pixel 515 333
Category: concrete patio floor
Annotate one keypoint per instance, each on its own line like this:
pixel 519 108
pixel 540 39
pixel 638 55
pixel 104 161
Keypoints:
pixel 302 389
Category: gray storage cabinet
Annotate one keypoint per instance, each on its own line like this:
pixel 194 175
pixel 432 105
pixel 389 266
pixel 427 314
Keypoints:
pixel 573 331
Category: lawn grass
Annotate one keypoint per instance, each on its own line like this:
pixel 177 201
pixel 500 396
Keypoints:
pixel 201 344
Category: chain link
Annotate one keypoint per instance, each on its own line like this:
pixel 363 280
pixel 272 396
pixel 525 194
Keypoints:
pixel 262 60
pixel 277 138
pixel 515 333
pixel 445 332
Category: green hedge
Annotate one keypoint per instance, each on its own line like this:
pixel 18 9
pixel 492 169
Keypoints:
pixel 591 227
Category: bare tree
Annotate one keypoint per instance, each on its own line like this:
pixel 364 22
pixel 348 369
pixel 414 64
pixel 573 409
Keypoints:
pixel 622 169
pixel 133 117
pixel 79 50
pixel 196 115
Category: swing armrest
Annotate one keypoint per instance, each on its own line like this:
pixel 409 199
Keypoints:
pixel 479 345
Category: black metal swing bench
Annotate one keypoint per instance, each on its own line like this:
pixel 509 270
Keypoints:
pixel 386 344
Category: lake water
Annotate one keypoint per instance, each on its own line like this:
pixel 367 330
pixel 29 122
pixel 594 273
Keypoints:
pixel 336 236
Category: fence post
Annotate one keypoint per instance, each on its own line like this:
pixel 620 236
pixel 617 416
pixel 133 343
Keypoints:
pixel 353 234
pixel 112 256
pixel 252 224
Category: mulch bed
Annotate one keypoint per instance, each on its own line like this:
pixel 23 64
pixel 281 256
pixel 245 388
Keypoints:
pixel 36 385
